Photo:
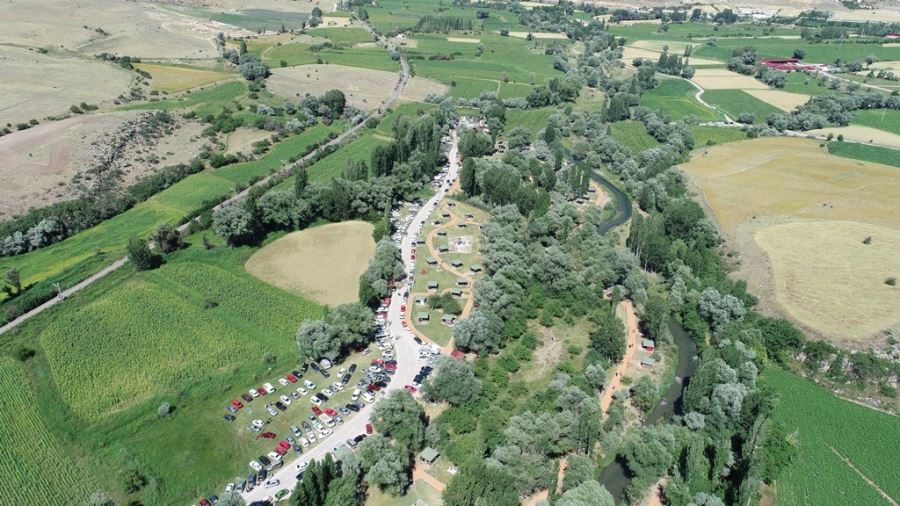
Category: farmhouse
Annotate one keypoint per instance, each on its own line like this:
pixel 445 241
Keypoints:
pixel 443 248
pixel 442 233
pixel 445 214
pixel 789 64
pixel 648 345
pixel 429 455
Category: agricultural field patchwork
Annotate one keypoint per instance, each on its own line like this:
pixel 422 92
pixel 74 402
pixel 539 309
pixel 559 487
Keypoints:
pixel 322 264
pixel 676 97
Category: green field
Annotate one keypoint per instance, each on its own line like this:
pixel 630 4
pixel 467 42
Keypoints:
pixel 708 135
pixel 251 19
pixel 865 152
pixel 169 206
pixel 343 36
pixel 882 119
pixel 192 333
pixel 535 120
pixel 302 54
pixel 333 165
pixel 28 447
pixel 397 15
pixel 206 101
pixel 827 52
pixel 632 135
pixel 798 82
pixel 685 32
pixel 829 428
pixel 675 97
pixel 735 102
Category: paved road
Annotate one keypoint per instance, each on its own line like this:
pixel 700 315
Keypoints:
pixel 406 350
pixel 398 90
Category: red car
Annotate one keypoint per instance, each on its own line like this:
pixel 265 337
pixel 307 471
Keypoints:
pixel 316 411
pixel 409 388
pixel 204 502
pixel 330 412
pixel 237 404
pixel 267 435
pixel 369 428
pixel 261 390
pixel 403 308
pixel 284 445
pixel 390 367
pixel 378 361
pixel 404 323
pixel 280 451
pixel 373 388
pixel 291 378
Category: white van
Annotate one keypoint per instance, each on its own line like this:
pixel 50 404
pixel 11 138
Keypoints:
pixel 355 396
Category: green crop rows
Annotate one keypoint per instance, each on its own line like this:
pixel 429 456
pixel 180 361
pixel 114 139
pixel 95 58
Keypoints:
pixel 675 97
pixel 34 469
pixel 868 438
pixel 735 102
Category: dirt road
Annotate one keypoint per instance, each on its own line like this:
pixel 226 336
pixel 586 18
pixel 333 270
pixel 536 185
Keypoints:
pixel 633 337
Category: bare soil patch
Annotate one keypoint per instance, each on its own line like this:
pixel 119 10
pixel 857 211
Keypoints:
pixel 242 139
pixel 753 186
pixel 631 52
pixel 417 88
pixel 539 35
pixel 463 39
pixel 335 21
pixel 873 15
pixel 365 88
pixel 322 263
pixel 783 100
pixel 40 163
pixel 722 79
pixel 864 134
pixel 172 79
pixel 34 85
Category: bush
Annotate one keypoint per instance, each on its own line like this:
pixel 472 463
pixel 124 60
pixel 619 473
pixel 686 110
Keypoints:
pixel 23 353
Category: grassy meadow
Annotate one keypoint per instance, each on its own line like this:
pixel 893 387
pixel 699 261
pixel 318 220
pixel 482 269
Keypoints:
pixel 675 97
pixel 735 102
pixel 865 152
pixel 632 135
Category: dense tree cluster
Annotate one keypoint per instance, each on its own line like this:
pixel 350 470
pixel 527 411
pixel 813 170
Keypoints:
pixel 343 328
pixel 385 267
pixel 829 109
pixel 454 381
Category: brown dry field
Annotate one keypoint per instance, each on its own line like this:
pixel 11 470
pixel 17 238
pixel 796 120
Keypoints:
pixel 172 78
pixel 861 133
pixel 797 216
pixel 39 163
pixel 420 87
pixel 140 29
pixel 631 52
pixel 365 88
pixel 34 85
pixel 322 263
pixel 242 139
pixel 722 79
pixel 783 100
pixel 539 35
pixel 463 39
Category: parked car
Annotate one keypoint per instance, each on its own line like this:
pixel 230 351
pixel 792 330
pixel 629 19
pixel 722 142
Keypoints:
pixel 295 396
pixel 411 389
pixel 254 393
pixel 315 400
pixel 339 419
pixel 283 382
pixel 304 442
pixel 247 397
pixel 296 431
pixel 329 411
pixel 261 391
pixel 272 483
pixel 229 488
pixel 291 378
pixel 301 391
pixel 286 400
pixel 309 384
pixel 369 428
pixel 255 465
pixel 280 406
pixel 264 461
pixel 284 445
pixel 268 435
pixel 228 418
pixel 272 411
pixel 344 410
pixel 352 368
pixel 236 404
pixel 269 388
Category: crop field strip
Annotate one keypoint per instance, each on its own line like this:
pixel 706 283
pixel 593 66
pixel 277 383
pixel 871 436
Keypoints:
pixel 35 469
pixel 675 97
pixel 632 135
pixel 168 206
pixel 865 152
pixel 735 102
pixel 819 475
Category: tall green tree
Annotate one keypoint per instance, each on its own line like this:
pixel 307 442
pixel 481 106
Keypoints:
pixel 477 484
pixel 402 417
pixel 140 255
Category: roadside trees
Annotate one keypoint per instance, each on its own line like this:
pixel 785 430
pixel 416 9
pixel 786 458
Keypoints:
pixel 454 381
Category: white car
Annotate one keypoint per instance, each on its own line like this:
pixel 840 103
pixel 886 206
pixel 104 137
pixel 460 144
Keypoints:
pixel 315 400
pixel 274 457
pixel 301 391
pixel 302 466
pixel 269 388
pixel 325 432
pixel 337 386
pixel 286 400
pixel 304 442
pixel 327 392
pixel 254 393
pixel 342 371
pixel 256 465
pixel 272 483
pixel 229 488
pixel 283 382
pixel 272 411
pixel 311 436
pixel 387 354
pixel 355 395
pixel 368 397
pixel 309 384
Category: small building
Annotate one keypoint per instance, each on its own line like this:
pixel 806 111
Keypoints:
pixel 456 292
pixel 462 282
pixel 423 316
pixel 461 225
pixel 420 241
pixel 429 455
pixel 442 233
pixel 433 285
pixel 443 248
pixel 648 362
pixel 445 214
pixel 451 204
pixel 470 216
pixel 456 263
pixel 648 345
pixel 421 300
pixel 431 261
pixel 448 319
pixel 892 35
pixel 475 267
pixel 436 222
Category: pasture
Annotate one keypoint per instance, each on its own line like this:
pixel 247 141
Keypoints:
pixel 534 120
pixel 343 36
pixel 365 89
pixel 882 119
pixel 675 97
pixel 304 54
pixel 822 472
pixel 632 135
pixel 792 210
pixel 710 135
pixel 171 78
pixel 735 102
pixel 322 264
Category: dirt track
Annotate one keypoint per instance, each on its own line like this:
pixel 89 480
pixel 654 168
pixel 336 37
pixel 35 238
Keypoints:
pixel 631 345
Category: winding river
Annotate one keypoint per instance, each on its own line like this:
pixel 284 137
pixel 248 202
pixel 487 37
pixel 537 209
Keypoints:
pixel 615 476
